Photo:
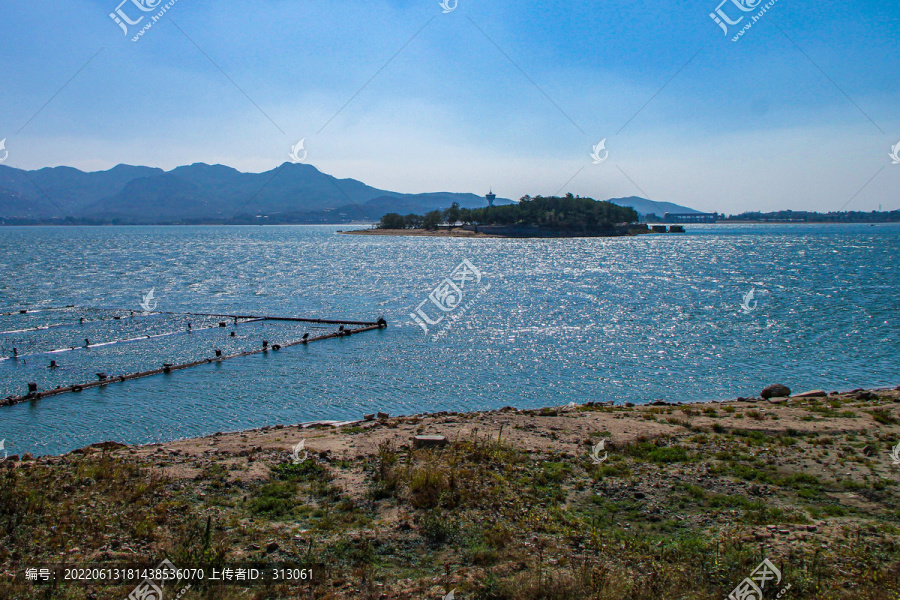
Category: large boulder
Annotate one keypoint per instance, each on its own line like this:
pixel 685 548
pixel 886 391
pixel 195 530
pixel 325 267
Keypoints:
pixel 776 390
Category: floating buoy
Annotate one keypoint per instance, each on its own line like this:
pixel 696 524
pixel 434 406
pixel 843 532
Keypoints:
pixel 87 342
pixel 222 323
pixel 15 352
pixel 232 334
pixel 276 347
pixel 53 364
pixel 32 387
pixel 218 352
pixel 101 376
pixel 167 367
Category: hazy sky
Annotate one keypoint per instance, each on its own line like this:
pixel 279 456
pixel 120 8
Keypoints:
pixel 801 112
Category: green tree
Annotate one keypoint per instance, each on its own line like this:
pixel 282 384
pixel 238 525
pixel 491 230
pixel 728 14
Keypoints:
pixel 432 219
pixel 392 221
pixel 452 214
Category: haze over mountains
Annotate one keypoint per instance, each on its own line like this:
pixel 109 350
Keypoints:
pixel 201 193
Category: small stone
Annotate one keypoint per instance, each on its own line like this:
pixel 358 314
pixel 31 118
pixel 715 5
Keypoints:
pixel 812 528
pixel 271 547
pixel 368 417
pixel 811 394
pixel 778 400
pixel 383 415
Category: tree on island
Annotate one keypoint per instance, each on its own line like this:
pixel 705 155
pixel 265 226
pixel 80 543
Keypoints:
pixel 413 221
pixel 432 219
pixel 452 214
pixel 392 221
pixel 571 214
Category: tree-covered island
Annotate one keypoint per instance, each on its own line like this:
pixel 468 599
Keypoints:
pixel 552 216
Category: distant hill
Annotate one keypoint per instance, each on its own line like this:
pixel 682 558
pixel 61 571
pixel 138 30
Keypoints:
pixel 290 193
pixel 201 193
pixel 645 207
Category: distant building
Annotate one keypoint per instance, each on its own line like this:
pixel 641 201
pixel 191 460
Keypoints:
pixel 491 196
pixel 689 217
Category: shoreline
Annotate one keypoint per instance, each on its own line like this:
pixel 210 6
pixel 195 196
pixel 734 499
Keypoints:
pixel 516 234
pixel 423 233
pixel 326 423
pixel 414 506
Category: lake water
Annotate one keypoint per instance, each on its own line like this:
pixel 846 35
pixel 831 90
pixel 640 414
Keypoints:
pixel 552 322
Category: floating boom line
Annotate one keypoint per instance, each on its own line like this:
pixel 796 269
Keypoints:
pixel 103 379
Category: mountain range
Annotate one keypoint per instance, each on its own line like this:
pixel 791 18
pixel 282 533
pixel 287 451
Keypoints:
pixel 201 193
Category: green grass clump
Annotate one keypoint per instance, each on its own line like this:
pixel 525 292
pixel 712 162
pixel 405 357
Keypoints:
pixel 276 499
pixel 308 470
pixel 883 416
pixel 648 451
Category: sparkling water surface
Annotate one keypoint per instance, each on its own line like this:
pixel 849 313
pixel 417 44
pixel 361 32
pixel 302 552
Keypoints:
pixel 623 319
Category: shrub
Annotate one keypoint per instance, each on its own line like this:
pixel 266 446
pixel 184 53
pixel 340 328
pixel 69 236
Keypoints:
pixel 426 486
pixel 438 527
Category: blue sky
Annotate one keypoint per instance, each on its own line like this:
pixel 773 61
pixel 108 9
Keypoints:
pixel 801 112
